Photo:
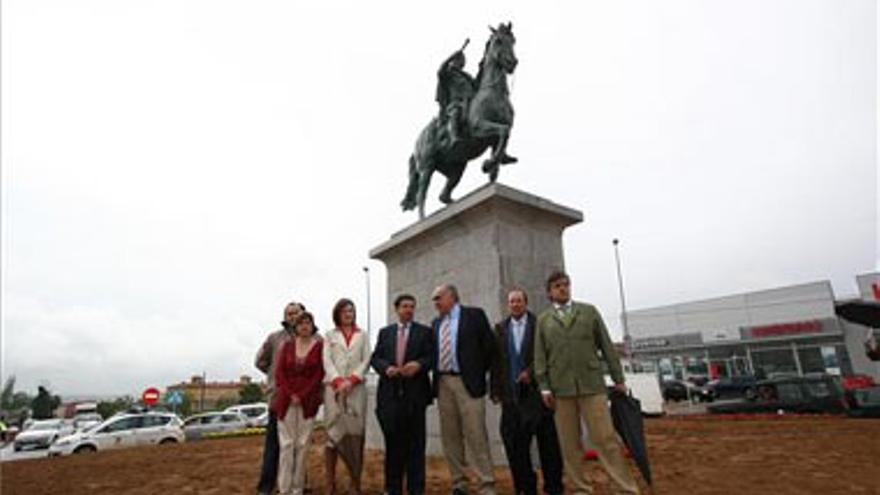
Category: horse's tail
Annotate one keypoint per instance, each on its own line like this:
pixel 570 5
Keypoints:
pixel 409 201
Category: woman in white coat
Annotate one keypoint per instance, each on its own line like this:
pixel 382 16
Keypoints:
pixel 346 359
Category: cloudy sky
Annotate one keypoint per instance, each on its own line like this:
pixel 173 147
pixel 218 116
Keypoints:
pixel 173 172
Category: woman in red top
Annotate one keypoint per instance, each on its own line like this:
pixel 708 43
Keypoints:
pixel 298 376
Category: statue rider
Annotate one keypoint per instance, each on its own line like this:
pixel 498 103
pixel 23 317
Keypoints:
pixel 455 88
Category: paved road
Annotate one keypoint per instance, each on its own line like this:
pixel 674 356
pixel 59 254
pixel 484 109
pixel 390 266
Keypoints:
pixel 7 453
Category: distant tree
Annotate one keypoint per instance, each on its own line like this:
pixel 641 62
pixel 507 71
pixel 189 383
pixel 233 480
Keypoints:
pixel 44 404
pixel 12 401
pixel 21 400
pixel 224 402
pixel 107 408
pixel 186 405
pixel 8 393
pixel 250 393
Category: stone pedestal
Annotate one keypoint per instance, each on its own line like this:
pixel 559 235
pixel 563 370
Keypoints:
pixel 485 243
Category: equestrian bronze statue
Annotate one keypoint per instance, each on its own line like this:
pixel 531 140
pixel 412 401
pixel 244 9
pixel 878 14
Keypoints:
pixel 475 115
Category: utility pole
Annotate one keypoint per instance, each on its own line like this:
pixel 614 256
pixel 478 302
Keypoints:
pixel 369 310
pixel 202 395
pixel 623 317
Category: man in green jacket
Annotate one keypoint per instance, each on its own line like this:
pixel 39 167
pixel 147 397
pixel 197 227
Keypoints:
pixel 570 335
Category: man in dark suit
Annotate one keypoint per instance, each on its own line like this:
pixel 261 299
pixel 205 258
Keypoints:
pixel 465 350
pixel 403 356
pixel 523 414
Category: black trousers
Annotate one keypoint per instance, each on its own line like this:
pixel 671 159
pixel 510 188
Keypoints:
pixel 517 436
pixel 403 426
pixel 269 471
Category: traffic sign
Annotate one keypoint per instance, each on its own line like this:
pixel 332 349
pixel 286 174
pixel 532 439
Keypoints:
pixel 174 398
pixel 150 396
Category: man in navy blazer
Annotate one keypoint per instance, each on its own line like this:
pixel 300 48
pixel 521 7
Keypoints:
pixel 402 358
pixel 465 349
pixel 523 414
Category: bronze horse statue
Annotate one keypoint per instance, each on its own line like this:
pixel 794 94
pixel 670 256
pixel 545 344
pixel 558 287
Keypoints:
pixel 488 123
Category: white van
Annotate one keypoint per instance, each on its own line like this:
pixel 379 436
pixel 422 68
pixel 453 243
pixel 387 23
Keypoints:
pixel 646 388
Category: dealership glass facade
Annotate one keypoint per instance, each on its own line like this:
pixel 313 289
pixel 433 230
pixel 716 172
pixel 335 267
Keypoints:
pixel 764 360
pixel 783 331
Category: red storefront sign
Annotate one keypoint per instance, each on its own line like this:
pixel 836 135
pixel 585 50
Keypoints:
pixel 813 326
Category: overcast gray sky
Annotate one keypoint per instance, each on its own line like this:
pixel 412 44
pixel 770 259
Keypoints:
pixel 173 172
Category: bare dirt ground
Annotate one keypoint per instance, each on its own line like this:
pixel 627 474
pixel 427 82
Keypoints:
pixel 689 456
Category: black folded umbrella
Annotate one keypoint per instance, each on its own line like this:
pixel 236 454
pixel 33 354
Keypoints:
pixel 626 413
pixel 863 312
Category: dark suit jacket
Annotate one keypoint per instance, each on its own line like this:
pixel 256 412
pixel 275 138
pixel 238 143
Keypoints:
pixel 526 399
pixel 500 377
pixel 415 391
pixel 475 349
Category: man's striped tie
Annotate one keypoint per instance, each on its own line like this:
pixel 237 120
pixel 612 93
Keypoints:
pixel 445 347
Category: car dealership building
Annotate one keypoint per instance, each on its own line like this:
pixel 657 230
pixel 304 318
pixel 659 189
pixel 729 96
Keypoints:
pixel 786 330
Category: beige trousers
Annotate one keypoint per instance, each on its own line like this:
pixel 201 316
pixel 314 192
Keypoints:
pixel 294 432
pixel 463 423
pixel 593 410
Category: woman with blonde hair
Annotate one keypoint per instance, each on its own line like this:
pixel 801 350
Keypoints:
pixel 346 360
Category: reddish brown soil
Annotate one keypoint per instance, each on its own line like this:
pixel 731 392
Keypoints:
pixel 689 456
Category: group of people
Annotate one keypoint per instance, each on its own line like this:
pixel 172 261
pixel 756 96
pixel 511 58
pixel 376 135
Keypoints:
pixel 545 371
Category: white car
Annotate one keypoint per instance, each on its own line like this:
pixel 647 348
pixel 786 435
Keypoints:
pixel 253 412
pixel 213 422
pixel 261 421
pixel 86 420
pixel 41 434
pixel 120 431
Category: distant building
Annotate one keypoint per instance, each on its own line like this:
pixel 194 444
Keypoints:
pixel 207 396
pixel 785 330
pixel 70 409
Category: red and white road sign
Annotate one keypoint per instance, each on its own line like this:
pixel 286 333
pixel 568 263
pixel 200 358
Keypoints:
pixel 150 396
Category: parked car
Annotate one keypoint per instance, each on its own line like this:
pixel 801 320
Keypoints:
pixel 809 394
pixel 864 402
pixel 677 390
pixel 261 421
pixel 733 387
pixel 120 431
pixel 197 426
pixel 86 420
pixel 251 412
pixel 40 434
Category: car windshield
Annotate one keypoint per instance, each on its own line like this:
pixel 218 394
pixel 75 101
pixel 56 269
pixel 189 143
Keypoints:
pixel 91 427
pixel 45 426
pixel 193 421
pixel 868 396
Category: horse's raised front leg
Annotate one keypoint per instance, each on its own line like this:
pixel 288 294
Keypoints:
pixel 486 128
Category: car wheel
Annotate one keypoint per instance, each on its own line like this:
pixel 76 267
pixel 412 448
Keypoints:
pixel 85 449
pixel 167 441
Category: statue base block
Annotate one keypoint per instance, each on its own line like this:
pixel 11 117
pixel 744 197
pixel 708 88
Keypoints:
pixel 486 243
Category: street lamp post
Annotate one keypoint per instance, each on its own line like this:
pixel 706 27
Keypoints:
pixel 626 337
pixel 367 276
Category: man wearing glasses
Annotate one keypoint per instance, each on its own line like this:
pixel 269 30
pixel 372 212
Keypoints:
pixel 465 350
